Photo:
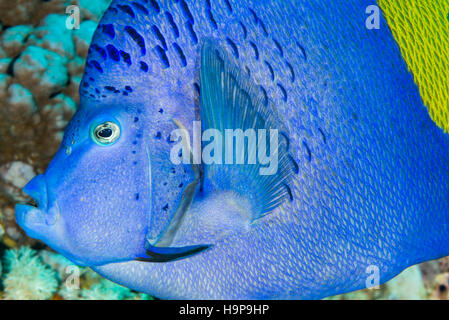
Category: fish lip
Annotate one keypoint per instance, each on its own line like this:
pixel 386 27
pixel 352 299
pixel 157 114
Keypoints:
pixel 30 216
pixel 37 189
pixel 30 219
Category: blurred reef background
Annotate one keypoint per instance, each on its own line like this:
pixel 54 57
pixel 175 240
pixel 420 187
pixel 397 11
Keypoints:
pixel 41 65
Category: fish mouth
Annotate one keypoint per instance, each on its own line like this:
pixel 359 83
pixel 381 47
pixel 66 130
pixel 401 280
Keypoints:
pixel 36 189
pixel 35 214
pixel 32 203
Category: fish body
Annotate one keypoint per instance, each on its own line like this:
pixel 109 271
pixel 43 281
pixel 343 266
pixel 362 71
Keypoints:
pixel 365 190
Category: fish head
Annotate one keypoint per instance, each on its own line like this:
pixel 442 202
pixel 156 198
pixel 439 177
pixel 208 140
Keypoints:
pixel 93 200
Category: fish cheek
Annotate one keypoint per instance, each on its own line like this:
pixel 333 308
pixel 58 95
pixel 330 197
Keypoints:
pixel 104 207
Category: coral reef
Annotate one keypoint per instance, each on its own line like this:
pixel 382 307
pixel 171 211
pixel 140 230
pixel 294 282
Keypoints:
pixel 31 274
pixel 26 277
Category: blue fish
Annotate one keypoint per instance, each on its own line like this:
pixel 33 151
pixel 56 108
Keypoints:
pixel 360 185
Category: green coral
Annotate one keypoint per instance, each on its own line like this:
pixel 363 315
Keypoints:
pixel 27 278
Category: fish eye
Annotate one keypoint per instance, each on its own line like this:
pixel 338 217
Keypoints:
pixel 106 133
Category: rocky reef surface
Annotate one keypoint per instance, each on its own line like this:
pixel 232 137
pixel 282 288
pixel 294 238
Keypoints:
pixel 41 65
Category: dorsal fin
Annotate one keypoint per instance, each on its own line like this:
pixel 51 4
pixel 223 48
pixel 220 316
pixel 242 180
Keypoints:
pixel 229 100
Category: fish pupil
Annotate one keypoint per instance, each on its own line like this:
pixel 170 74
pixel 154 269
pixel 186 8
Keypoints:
pixel 105 133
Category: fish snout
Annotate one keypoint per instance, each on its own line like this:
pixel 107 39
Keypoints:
pixel 37 189
pixel 38 213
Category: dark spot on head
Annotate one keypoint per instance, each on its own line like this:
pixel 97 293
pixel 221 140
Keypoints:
pixel 233 46
pixel 143 66
pixel 100 50
pixel 322 134
pixel 96 65
pixel 309 152
pixel 289 192
pixel 137 38
pixel 255 17
pixel 113 52
pixel 196 86
pixel 295 165
pixel 126 57
pixel 292 72
pixel 270 69
pixel 265 95
pixel 161 110
pixel 211 18
pixel 136 119
pixel 283 92
pixel 228 5
pixel 127 9
pixel 181 55
pixel 245 31
pixel 262 25
pixel 186 11
pixel 303 51
pixel 162 56
pixel 279 47
pixel 140 7
pixel 137 196
pixel 155 5
pixel 172 24
pixel 157 33
pixel 192 33
pixel 165 208
pixel 256 50
pixel 158 135
pixel 108 29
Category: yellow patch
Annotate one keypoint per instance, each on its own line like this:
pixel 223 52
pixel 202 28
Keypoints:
pixel 421 28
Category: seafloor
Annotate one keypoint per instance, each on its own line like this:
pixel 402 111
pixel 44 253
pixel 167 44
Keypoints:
pixel 41 65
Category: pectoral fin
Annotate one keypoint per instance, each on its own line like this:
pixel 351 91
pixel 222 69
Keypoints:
pixel 231 101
